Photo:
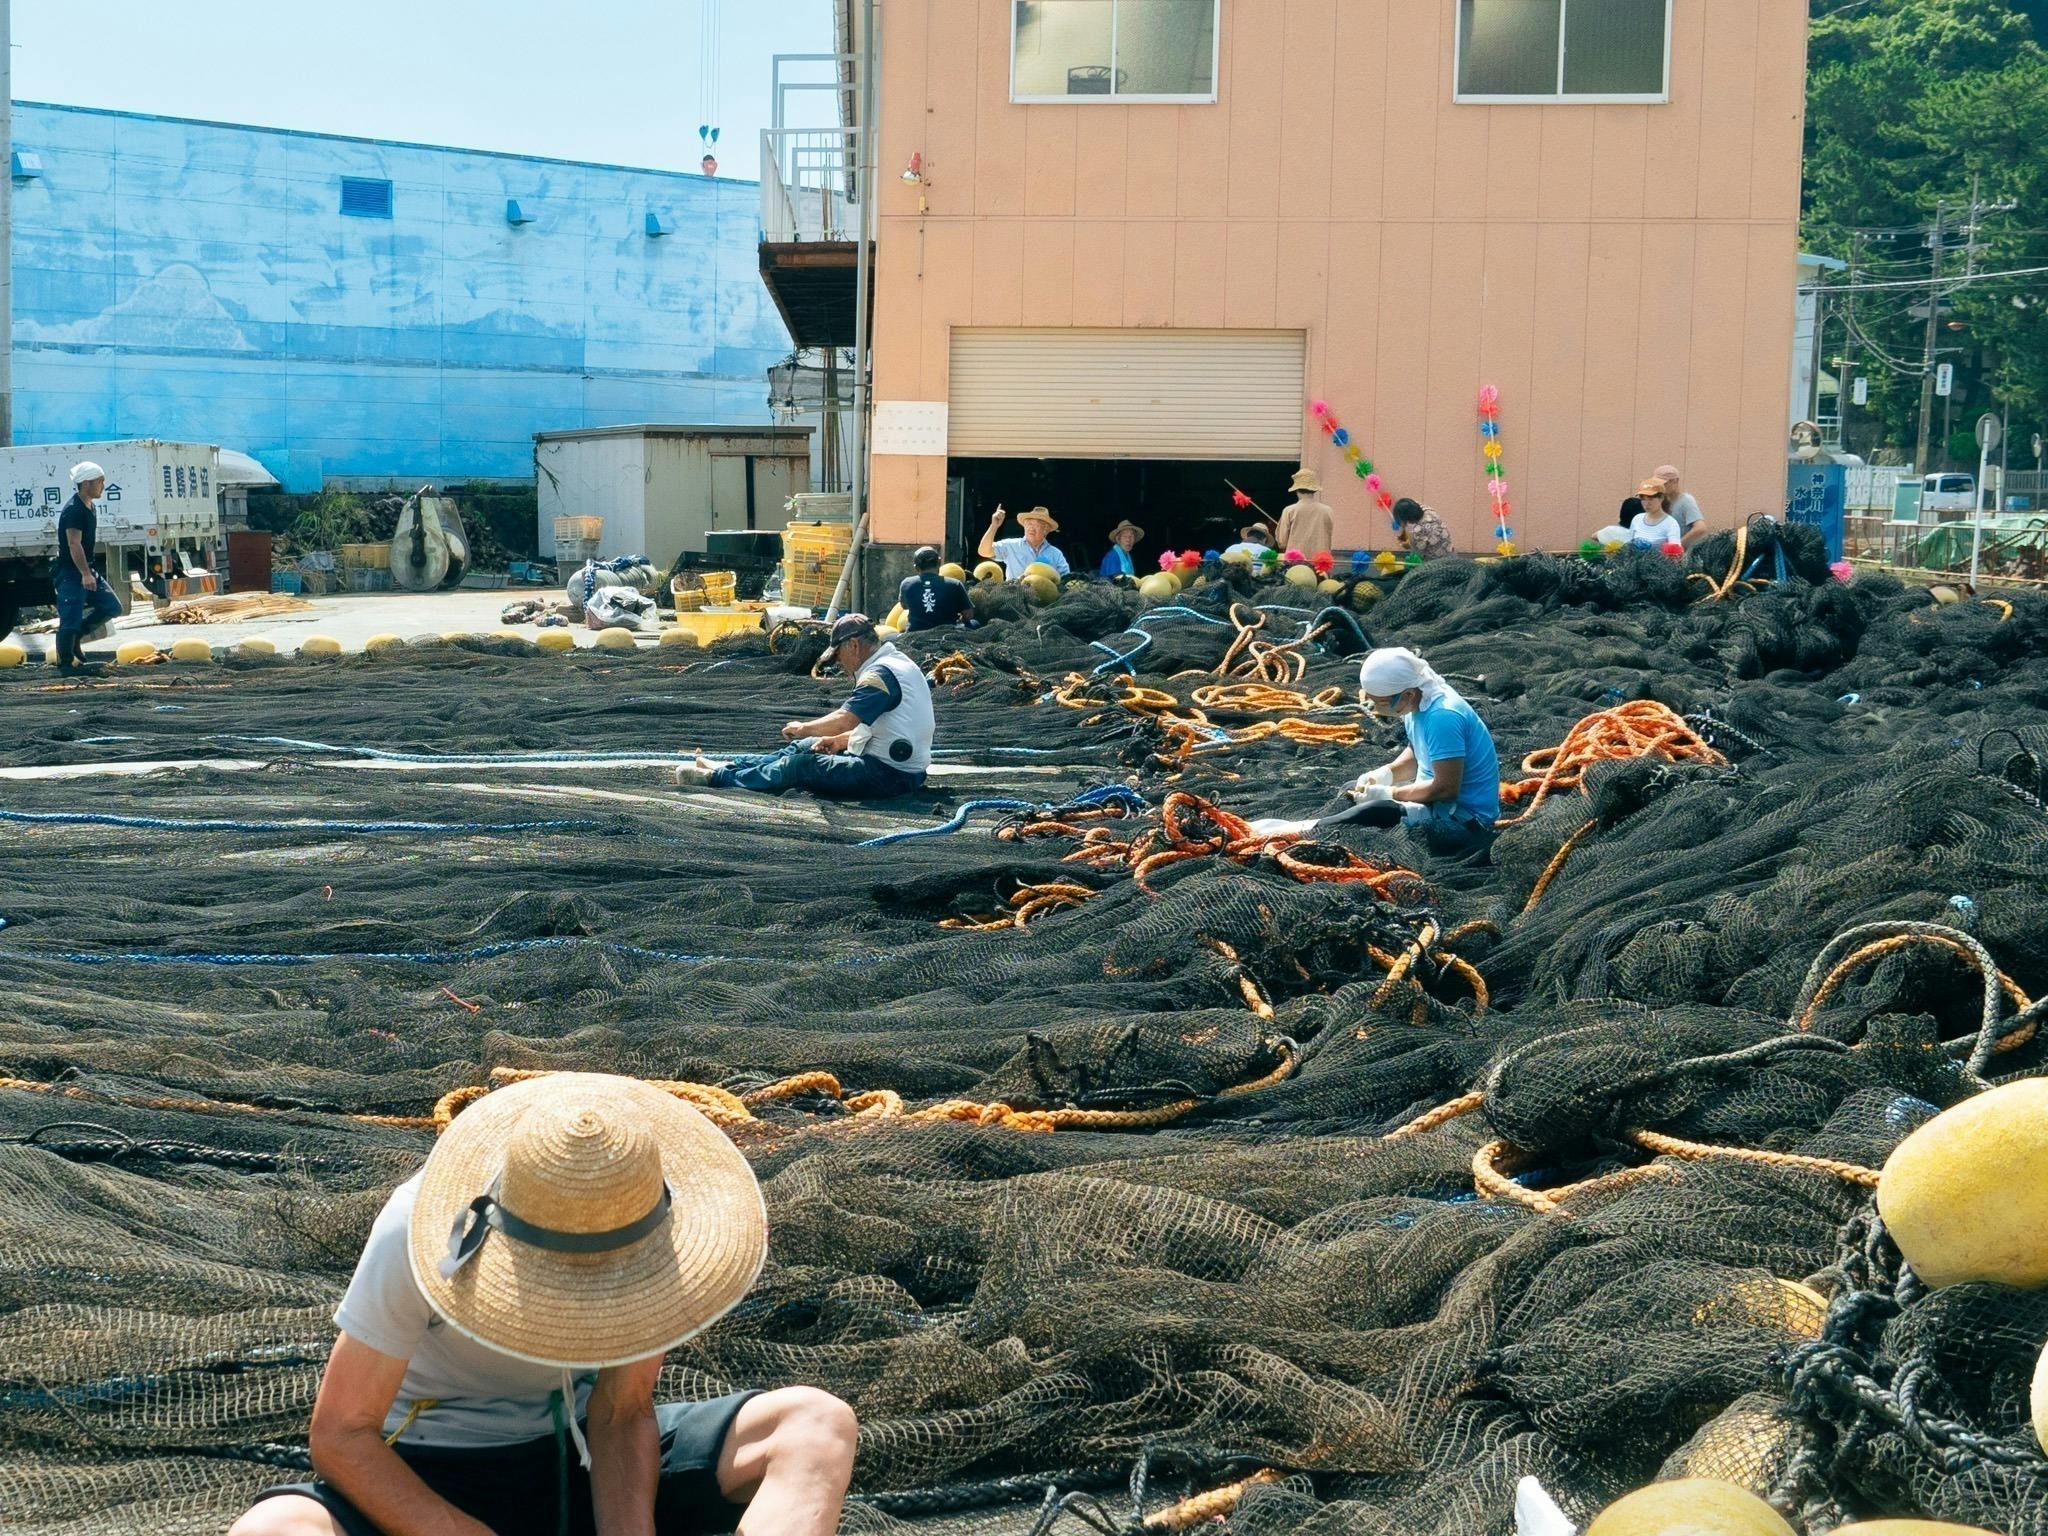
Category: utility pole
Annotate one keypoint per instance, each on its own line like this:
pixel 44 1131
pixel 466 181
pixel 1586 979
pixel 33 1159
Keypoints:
pixel 1933 327
pixel 1948 404
pixel 6 224
pixel 1847 383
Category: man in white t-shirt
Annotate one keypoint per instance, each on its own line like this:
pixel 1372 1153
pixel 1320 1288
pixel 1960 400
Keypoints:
pixel 1679 502
pixel 506 1324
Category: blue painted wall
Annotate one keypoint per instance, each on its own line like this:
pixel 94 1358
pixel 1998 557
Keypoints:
pixel 198 281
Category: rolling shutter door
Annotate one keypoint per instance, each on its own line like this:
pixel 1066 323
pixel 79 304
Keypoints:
pixel 1103 394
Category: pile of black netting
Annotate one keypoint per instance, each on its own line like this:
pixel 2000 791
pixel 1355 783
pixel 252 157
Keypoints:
pixel 1094 1184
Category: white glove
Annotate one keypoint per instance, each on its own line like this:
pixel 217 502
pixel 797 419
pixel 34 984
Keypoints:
pixel 1372 794
pixel 1378 776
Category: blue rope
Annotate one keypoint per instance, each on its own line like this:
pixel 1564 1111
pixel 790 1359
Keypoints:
pixel 1087 800
pixel 1138 627
pixel 218 824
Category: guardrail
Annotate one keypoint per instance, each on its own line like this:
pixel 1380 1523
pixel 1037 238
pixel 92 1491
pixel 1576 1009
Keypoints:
pixel 808 184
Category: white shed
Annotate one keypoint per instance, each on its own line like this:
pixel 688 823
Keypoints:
pixel 660 489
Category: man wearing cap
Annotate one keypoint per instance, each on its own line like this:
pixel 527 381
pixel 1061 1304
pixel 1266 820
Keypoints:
pixel 506 1325
pixel 1308 525
pixel 933 601
pixel 1123 538
pixel 84 600
pixel 875 746
pixel 1019 555
pixel 1679 503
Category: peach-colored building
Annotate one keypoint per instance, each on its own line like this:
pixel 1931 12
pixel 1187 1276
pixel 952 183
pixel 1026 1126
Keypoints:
pixel 1149 232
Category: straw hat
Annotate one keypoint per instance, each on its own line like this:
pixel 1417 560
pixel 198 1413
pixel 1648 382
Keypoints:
pixel 579 1220
pixel 1137 533
pixel 1040 515
pixel 1306 480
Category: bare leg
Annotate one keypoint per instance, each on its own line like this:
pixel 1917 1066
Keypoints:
pixel 788 1458
pixel 286 1515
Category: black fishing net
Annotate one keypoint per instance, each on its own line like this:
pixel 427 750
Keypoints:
pixel 1114 1154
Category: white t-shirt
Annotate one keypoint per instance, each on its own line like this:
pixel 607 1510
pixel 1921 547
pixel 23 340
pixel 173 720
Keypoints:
pixel 481 1398
pixel 1657 532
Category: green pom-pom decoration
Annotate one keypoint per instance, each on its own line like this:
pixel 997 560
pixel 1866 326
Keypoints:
pixel 1590 550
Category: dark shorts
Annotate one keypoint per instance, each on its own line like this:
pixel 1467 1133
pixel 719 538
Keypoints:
pixel 512 1489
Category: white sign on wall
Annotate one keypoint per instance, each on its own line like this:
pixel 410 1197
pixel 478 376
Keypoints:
pixel 912 428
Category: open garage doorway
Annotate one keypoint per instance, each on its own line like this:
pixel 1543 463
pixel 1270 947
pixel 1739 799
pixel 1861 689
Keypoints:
pixel 1180 503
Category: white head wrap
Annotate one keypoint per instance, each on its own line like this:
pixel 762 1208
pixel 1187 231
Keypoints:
pixel 86 470
pixel 1388 673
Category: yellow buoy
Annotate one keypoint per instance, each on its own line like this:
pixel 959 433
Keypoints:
pixel 1301 576
pixel 1945 595
pixel 256 647
pixel 898 620
pixel 456 636
pixel 12 655
pixel 616 639
pixel 988 570
pixel 679 637
pixel 954 570
pixel 1158 587
pixel 1691 1506
pixel 1040 568
pixel 320 645
pixel 555 640
pixel 1042 589
pixel 1966 1196
pixel 1329 586
pixel 191 650
pixel 1365 594
pixel 129 652
pixel 1911 1528
pixel 1786 1306
pixel 886 632
pixel 2040 1402
pixel 377 644
pixel 1237 557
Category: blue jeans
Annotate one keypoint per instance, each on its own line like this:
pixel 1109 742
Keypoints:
pixel 79 610
pixel 833 775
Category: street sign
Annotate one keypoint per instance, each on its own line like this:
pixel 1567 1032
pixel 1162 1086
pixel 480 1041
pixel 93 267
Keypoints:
pixel 1988 431
pixel 1945 380
pixel 1861 394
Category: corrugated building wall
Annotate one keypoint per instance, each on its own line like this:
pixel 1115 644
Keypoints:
pixel 201 281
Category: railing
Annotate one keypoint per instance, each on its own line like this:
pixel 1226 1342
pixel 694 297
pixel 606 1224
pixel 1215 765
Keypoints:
pixel 807 184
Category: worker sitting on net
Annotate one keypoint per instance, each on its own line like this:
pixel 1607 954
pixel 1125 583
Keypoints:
pixel 875 746
pixel 503 1336
pixel 932 600
pixel 1019 555
pixel 1445 785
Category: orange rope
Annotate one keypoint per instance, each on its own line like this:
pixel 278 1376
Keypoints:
pixel 1642 728
pixel 1557 863
pixel 1879 948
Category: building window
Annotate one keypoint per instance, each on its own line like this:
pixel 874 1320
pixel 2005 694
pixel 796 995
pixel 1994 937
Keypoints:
pixel 363 198
pixel 1118 50
pixel 1564 50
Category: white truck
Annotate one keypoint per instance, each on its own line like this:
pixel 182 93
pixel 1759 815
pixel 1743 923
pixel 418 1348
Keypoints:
pixel 1948 493
pixel 161 501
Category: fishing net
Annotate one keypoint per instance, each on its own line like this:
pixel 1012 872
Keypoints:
pixel 1123 1162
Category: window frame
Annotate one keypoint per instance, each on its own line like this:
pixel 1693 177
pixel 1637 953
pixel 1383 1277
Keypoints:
pixel 1560 97
pixel 1114 97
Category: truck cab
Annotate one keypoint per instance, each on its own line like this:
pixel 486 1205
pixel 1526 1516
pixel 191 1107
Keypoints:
pixel 1948 493
pixel 160 505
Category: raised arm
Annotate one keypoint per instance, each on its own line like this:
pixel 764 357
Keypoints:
pixel 987 548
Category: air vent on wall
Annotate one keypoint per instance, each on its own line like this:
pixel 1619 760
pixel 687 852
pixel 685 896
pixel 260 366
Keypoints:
pixel 364 198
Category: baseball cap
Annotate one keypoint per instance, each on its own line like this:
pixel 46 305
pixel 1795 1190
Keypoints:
pixel 849 626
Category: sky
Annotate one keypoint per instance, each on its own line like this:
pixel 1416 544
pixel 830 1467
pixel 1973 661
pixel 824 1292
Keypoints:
pixel 619 81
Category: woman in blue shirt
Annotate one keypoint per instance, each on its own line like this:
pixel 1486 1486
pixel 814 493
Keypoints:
pixel 1123 538
pixel 1446 783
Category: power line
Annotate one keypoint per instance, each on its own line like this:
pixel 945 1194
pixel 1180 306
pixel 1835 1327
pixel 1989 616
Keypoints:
pixel 1945 284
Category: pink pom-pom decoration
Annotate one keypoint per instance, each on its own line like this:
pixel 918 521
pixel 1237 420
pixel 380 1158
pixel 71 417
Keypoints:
pixel 1374 483
pixel 1496 488
pixel 1489 400
pixel 1169 560
pixel 1295 557
pixel 1319 407
pixel 1842 570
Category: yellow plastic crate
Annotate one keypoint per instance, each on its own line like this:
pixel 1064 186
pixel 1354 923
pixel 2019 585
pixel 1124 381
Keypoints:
pixel 706 627
pixel 365 557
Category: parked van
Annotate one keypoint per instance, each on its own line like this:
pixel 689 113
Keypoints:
pixel 1948 493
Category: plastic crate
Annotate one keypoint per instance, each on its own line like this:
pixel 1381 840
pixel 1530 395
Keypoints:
pixel 367 579
pixel 574 554
pixel 578 529
pixel 287 581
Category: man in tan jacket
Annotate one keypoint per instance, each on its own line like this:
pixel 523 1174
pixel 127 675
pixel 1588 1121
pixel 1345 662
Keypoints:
pixel 1307 525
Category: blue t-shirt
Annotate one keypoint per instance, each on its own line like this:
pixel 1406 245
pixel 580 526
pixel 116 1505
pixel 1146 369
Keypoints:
pixel 1018 556
pixel 1452 728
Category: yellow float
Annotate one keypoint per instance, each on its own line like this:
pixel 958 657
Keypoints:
pixel 1966 1196
pixel 988 570
pixel 1158 587
pixel 616 639
pixel 1042 589
pixel 376 645
pixel 1691 1506
pixel 12 655
pixel 256 647
pixel 954 570
pixel 319 645
pixel 555 640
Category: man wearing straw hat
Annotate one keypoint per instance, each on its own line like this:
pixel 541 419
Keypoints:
pixel 1308 525
pixel 1019 555
pixel 504 1331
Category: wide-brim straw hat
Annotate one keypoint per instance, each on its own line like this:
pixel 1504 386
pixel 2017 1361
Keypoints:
pixel 1258 530
pixel 1040 515
pixel 640 1223
pixel 1306 480
pixel 1135 531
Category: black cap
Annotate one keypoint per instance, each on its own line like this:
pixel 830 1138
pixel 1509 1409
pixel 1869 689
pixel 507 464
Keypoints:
pixel 926 559
pixel 849 626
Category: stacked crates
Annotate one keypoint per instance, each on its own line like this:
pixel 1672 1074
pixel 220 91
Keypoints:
pixel 813 555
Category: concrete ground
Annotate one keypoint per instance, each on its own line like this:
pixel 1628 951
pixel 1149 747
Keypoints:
pixel 350 618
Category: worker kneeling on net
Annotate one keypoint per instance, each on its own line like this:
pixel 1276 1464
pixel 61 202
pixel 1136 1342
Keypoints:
pixel 1445 785
pixel 875 746
pixel 504 1332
